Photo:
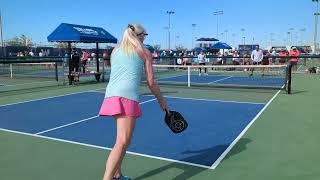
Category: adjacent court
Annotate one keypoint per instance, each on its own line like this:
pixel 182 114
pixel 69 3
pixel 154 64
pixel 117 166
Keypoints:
pixel 213 125
pixel 228 79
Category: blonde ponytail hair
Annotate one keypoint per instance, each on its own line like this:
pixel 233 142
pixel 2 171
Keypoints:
pixel 130 41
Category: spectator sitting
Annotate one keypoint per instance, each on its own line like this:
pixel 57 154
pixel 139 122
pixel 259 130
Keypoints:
pixel 185 59
pixel 219 59
pixel 31 53
pixel 235 59
pixel 282 54
pixel 155 57
pixel 246 58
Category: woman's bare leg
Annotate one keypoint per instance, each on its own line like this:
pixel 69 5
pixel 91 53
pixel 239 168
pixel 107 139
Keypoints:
pixel 125 127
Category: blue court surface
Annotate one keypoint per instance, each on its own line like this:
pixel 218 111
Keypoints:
pixel 266 81
pixel 213 125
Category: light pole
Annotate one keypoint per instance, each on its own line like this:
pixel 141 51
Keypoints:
pixel 167 31
pixel 226 33
pixel 316 14
pixel 169 26
pixel 177 41
pixel 271 38
pixel 242 30
pixel 2 44
pixel 218 13
pixel 284 40
pixel 291 32
pixel 302 34
pixel 233 35
pixel 288 34
pixel 193 27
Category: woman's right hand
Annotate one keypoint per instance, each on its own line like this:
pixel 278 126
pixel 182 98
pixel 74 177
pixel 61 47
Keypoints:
pixel 163 105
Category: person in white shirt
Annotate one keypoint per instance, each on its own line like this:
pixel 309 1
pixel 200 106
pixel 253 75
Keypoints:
pixel 235 59
pixel 201 61
pixel 31 53
pixel 256 57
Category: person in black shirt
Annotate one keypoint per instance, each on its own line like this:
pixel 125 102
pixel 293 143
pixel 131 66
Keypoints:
pixel 74 66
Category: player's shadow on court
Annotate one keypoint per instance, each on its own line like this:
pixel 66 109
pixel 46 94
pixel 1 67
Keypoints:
pixel 298 92
pixel 195 156
pixel 239 147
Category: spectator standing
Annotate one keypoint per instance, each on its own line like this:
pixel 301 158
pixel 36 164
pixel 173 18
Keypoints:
pixel 84 60
pixel 282 54
pixel 201 62
pixel 294 53
pixel 256 57
pixel 105 58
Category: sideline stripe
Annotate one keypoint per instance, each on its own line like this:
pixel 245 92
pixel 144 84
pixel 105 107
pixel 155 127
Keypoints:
pixel 220 79
pixel 83 120
pixel 66 125
pixel 214 100
pixel 95 90
pixel 11 85
pixel 216 163
pixel 105 148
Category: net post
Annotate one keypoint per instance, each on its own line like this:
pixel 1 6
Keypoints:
pixel 56 70
pixel 286 78
pixel 11 71
pixel 63 75
pixel 103 64
pixel 289 79
pixel 188 76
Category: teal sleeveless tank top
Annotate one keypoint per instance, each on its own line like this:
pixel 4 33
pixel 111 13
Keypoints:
pixel 125 77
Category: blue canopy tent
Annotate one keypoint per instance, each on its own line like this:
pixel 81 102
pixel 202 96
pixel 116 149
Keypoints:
pixel 220 45
pixel 149 47
pixel 199 49
pixel 223 46
pixel 72 33
pixel 79 33
pixel 207 39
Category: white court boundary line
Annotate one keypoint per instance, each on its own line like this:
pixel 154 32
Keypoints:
pixel 220 79
pixel 11 85
pixel 160 79
pixel 210 100
pixel 82 120
pixel 214 165
pixel 66 125
pixel 222 156
pixel 50 97
pixel 101 147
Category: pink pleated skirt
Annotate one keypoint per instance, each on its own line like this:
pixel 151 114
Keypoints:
pixel 117 105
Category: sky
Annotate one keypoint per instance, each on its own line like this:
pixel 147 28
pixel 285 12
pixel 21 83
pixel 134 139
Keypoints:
pixel 247 21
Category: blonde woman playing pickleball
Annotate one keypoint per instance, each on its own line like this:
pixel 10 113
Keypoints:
pixel 122 93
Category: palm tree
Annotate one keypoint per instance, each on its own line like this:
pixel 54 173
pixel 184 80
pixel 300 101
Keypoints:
pixel 180 47
pixel 61 45
pixel 23 40
pixel 26 41
pixel 157 47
